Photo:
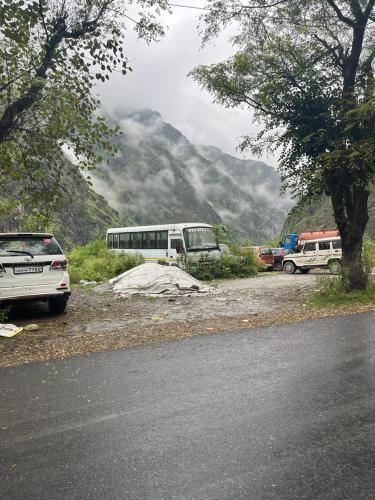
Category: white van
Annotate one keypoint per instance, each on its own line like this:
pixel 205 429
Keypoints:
pixel 165 242
pixel 33 268
pixel 324 253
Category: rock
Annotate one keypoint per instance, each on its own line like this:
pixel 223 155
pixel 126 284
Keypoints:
pixel 85 282
pixel 31 328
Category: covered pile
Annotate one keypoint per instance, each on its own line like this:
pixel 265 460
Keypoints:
pixel 156 279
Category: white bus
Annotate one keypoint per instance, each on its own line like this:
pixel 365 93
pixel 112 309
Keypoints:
pixel 165 241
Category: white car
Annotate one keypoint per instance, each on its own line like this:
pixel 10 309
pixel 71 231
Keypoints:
pixel 33 268
pixel 324 253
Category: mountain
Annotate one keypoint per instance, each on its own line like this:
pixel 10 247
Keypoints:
pixel 158 176
pixel 319 215
pixel 83 214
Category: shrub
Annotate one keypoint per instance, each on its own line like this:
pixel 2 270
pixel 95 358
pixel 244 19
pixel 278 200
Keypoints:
pixel 369 255
pixel 238 263
pixel 94 262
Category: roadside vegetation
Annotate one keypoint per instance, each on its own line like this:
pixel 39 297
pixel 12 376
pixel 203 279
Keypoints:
pixel 236 263
pixel 333 292
pixel 94 262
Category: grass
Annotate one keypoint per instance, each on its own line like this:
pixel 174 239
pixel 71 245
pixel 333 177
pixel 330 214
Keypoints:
pixel 94 262
pixel 332 293
pixel 331 289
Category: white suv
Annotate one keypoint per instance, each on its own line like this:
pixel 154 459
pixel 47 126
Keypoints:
pixel 33 267
pixel 324 253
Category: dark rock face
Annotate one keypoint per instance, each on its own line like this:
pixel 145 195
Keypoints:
pixel 160 177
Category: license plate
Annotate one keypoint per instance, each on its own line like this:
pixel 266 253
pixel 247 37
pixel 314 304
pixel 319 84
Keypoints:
pixel 28 269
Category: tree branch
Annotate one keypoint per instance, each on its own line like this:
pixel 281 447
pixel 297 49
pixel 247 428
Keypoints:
pixel 54 39
pixel 340 15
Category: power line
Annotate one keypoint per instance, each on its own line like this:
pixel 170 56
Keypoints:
pixel 187 6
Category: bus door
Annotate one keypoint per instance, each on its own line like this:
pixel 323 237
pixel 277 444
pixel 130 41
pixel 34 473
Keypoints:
pixel 176 247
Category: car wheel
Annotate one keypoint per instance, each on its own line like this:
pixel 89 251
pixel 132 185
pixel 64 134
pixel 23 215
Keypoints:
pixel 334 267
pixel 58 305
pixel 305 271
pixel 278 266
pixel 289 267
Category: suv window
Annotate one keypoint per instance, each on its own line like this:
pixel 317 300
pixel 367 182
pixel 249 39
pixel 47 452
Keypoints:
pixel 29 245
pixel 336 244
pixel 324 245
pixel 309 247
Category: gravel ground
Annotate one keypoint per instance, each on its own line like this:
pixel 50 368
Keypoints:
pixel 98 322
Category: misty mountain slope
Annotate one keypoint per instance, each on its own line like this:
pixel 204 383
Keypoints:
pixel 160 177
pixel 319 215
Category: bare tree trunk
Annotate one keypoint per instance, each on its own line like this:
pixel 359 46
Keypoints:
pixel 351 215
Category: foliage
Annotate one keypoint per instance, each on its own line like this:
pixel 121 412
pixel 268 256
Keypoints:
pixel 238 263
pixel 306 70
pixel 224 235
pixel 274 243
pixel 369 255
pixel 37 221
pixel 52 55
pixel 332 292
pixel 94 262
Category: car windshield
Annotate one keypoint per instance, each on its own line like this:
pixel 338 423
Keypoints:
pixel 200 238
pixel 30 245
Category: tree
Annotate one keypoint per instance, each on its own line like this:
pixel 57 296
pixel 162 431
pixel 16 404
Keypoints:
pixel 52 53
pixel 306 69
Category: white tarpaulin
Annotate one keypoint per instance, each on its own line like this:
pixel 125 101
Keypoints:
pixel 156 279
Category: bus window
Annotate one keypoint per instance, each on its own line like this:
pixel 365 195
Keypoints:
pixel 115 240
pixel 162 240
pixel 136 241
pixel 124 240
pixel 149 240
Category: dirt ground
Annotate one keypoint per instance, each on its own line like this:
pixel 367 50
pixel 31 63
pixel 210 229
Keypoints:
pixel 99 322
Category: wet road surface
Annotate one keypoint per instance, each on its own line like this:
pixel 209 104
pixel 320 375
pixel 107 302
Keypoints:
pixel 284 412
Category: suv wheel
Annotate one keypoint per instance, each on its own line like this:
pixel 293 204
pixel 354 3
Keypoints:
pixel 289 267
pixel 334 267
pixel 57 305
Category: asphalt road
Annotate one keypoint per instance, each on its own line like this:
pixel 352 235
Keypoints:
pixel 286 412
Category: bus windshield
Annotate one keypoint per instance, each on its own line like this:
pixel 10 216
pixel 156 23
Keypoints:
pixel 200 238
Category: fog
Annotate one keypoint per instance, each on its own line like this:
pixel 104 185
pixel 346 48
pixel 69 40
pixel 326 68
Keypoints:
pixel 159 81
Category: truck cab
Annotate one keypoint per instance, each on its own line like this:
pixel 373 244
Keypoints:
pixel 289 242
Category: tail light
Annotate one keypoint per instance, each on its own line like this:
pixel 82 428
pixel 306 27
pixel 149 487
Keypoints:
pixel 59 265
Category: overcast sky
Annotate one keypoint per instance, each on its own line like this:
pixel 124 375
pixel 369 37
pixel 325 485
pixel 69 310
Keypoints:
pixel 159 81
